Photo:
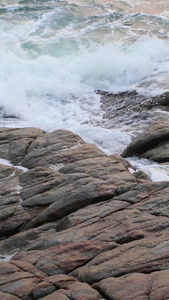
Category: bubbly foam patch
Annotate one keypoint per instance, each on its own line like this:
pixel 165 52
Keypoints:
pixel 59 92
pixel 54 56
pixel 155 171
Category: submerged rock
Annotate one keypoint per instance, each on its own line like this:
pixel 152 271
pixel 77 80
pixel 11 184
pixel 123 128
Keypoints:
pixel 77 224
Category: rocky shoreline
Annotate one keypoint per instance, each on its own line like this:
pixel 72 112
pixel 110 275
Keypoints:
pixel 77 224
pixel 133 111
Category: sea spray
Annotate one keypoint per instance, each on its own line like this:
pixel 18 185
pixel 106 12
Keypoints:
pixel 55 55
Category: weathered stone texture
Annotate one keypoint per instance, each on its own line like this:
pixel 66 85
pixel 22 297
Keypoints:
pixel 77 225
pixel 152 143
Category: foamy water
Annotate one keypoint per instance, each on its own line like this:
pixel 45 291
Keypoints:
pixel 54 55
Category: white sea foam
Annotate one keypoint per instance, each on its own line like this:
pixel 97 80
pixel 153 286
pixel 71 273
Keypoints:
pixel 155 171
pixel 5 257
pixel 52 63
pixel 5 162
pixel 51 92
pixel 8 163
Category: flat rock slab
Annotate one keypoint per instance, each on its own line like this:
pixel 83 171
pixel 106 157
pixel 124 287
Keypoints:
pixel 76 224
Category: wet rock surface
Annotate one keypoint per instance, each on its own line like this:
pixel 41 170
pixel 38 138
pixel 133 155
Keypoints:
pixel 76 224
pixel 133 110
pixel 151 144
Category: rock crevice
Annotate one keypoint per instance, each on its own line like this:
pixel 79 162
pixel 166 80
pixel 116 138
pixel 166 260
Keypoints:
pixel 77 224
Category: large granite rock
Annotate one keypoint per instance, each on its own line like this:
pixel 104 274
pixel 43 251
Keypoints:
pixel 76 224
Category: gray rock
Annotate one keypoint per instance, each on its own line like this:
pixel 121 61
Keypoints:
pixel 145 256
pixel 59 147
pixel 79 212
pixel 152 144
pixel 132 109
pixel 18 149
pixel 6 171
pixel 15 141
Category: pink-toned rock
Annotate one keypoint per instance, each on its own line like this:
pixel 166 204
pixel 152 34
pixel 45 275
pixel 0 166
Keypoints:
pixel 65 257
pixel 79 217
pixel 56 295
pixel 16 281
pixel 118 227
pixel 74 289
pixel 147 255
pixel 27 267
pixel 5 296
pixel 139 286
pixel 43 289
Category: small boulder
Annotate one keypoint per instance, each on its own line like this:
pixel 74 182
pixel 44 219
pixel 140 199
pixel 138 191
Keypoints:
pixel 152 144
